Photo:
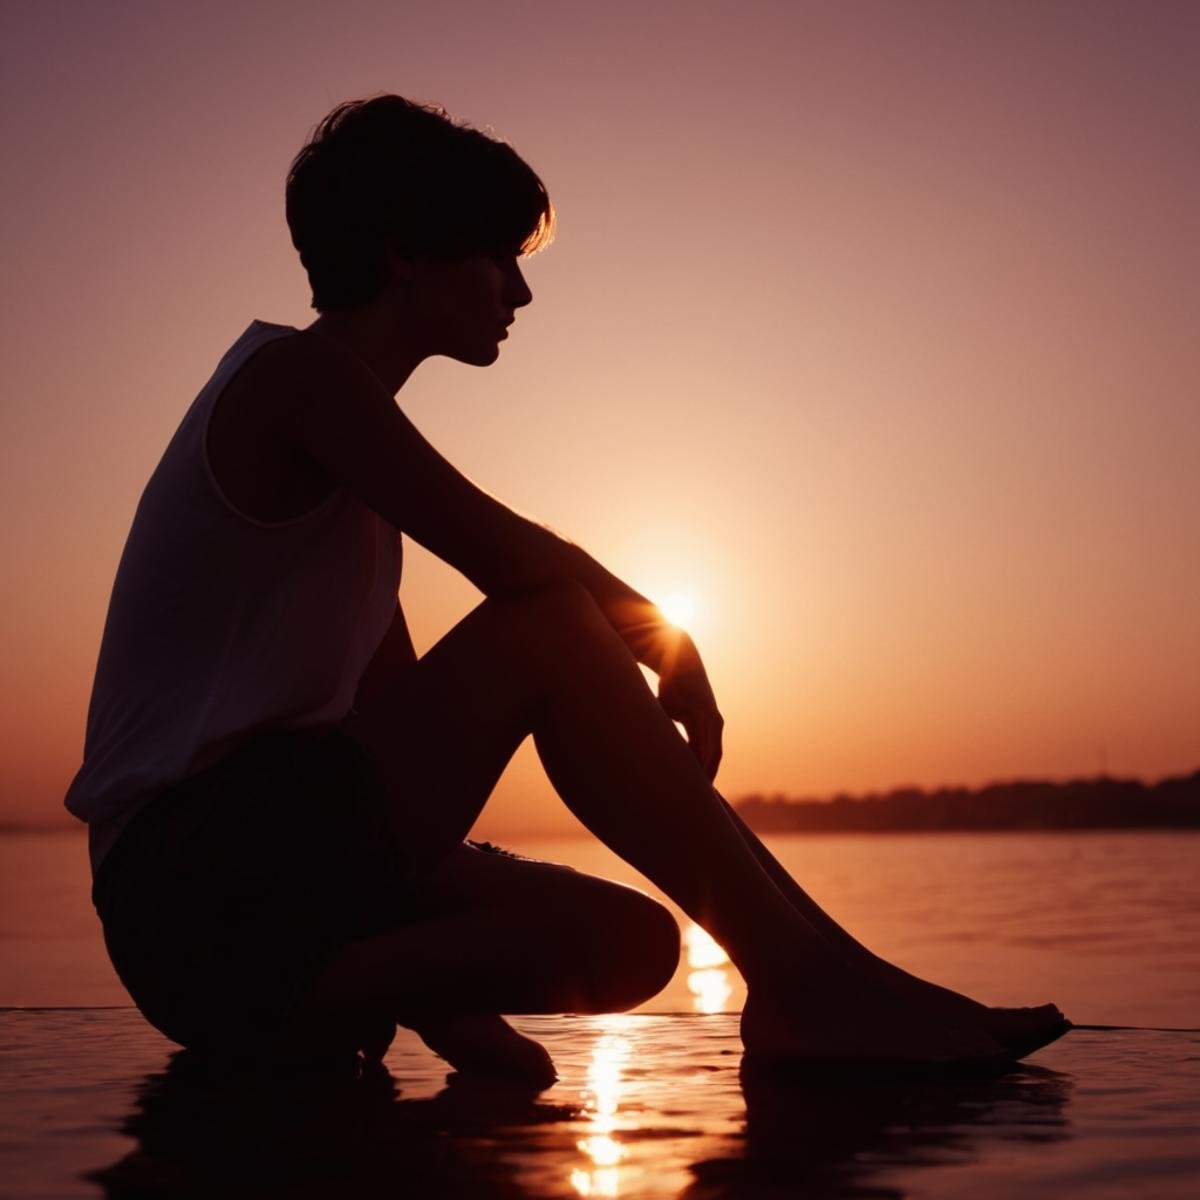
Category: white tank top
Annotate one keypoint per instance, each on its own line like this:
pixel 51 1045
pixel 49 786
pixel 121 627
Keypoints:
pixel 221 626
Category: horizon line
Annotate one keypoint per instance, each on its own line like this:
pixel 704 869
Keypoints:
pixel 68 823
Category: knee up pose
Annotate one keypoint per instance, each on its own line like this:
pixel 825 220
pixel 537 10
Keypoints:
pixel 278 790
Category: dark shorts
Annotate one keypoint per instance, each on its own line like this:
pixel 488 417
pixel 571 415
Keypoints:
pixel 225 897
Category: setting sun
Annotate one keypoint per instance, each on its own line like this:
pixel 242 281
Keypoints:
pixel 679 608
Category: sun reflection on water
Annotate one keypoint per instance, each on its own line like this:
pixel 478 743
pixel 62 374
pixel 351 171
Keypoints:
pixel 601 1100
pixel 708 980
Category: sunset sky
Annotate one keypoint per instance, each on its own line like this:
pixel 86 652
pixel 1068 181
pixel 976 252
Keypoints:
pixel 871 327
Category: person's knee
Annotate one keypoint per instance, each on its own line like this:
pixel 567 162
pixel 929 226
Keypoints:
pixel 640 951
pixel 659 957
pixel 555 610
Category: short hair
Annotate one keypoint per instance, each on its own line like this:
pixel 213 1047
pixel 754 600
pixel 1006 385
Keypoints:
pixel 386 170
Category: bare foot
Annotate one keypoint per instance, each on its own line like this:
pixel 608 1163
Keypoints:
pixel 486 1044
pixel 1022 1030
pixel 855 1025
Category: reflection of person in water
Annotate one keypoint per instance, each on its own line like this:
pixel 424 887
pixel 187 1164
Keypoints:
pixel 203 1129
pixel 279 789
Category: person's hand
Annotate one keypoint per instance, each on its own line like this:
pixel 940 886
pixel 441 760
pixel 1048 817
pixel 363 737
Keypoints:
pixel 687 697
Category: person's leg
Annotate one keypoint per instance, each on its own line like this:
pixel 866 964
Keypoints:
pixel 492 933
pixel 1012 1026
pixel 548 663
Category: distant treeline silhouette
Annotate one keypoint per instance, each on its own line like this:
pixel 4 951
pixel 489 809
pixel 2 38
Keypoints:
pixel 1100 803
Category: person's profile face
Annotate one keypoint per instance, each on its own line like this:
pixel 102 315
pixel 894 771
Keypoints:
pixel 466 304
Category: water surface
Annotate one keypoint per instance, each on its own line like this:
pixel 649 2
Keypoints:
pixel 647 1106
pixel 654 1105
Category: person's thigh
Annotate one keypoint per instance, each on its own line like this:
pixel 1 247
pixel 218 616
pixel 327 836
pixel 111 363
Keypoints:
pixel 503 934
pixel 443 733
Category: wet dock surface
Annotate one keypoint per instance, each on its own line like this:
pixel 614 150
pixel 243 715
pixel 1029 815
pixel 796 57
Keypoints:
pixel 98 1104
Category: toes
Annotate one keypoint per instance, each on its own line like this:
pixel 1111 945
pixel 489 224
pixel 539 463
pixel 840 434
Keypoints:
pixel 1028 1018
pixel 487 1045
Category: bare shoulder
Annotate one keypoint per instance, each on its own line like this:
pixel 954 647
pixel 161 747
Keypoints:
pixel 305 365
pixel 253 447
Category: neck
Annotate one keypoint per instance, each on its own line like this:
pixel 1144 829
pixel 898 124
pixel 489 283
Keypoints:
pixel 377 337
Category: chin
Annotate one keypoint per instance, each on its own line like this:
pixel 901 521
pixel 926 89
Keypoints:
pixel 482 356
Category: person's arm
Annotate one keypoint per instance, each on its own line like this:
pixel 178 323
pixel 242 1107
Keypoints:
pixel 341 418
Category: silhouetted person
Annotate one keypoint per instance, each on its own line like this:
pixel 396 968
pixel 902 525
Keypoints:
pixel 279 789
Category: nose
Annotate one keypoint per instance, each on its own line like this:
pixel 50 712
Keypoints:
pixel 517 291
